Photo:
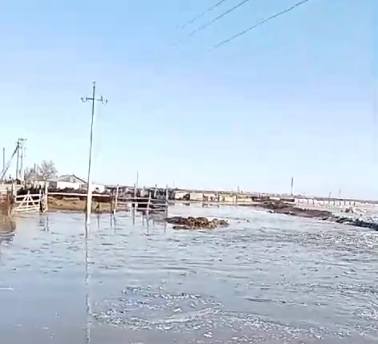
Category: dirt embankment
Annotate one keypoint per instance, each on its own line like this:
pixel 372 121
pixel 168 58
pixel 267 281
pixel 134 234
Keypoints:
pixel 78 205
pixel 279 207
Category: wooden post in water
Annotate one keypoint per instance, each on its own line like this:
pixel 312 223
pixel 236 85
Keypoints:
pixel 27 199
pixel 46 197
pixel 93 99
pixel 135 200
pixel 148 204
pixel 14 192
pixel 9 202
pixel 40 201
pixel 166 201
pixel 116 200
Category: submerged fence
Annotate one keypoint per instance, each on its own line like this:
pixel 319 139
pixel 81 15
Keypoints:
pixel 28 203
pixel 108 202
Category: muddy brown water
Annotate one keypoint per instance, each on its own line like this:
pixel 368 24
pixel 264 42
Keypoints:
pixel 267 278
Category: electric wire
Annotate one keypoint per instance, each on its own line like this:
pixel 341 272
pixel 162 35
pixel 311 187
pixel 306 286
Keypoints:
pixel 278 14
pixel 205 25
pixel 202 14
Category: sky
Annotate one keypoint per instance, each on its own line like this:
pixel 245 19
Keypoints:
pixel 292 98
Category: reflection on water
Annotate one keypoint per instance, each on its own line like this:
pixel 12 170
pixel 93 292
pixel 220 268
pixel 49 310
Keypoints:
pixel 267 278
pixel 7 229
pixel 44 223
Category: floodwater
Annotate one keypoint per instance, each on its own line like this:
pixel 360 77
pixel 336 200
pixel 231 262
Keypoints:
pixel 266 279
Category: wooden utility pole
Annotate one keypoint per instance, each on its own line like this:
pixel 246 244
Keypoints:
pixel 292 187
pixel 3 159
pixel 92 99
pixel 20 158
pixel 17 159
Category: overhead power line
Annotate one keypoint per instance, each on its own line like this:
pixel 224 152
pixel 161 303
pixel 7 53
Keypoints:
pixel 204 26
pixel 199 16
pixel 261 23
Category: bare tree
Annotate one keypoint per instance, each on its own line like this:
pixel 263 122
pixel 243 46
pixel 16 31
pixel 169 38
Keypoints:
pixel 47 169
pixel 29 174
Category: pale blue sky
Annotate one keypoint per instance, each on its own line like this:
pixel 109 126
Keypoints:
pixel 292 98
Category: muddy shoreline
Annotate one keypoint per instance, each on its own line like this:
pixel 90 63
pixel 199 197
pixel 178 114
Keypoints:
pixel 324 215
pixel 276 207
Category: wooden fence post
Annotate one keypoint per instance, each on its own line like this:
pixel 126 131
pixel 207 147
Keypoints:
pixel 135 199
pixel 148 204
pixel 46 197
pixel 116 200
pixel 166 201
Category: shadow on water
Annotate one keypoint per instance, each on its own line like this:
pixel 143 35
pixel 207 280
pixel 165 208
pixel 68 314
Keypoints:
pixel 268 278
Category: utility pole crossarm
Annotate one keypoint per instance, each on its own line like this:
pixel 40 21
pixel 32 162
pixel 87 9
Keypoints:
pixel 101 99
pixel 93 98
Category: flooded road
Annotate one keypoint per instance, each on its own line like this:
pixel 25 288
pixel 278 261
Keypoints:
pixel 265 279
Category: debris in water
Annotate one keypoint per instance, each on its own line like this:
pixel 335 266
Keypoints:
pixel 180 222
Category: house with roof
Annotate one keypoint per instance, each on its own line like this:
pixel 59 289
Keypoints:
pixel 73 182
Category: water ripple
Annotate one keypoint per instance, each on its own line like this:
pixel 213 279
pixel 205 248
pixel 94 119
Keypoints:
pixel 267 278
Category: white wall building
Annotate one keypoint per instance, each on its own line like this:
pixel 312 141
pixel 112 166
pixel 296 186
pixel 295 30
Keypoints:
pixel 70 181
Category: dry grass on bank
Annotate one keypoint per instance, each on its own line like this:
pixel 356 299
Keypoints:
pixel 77 205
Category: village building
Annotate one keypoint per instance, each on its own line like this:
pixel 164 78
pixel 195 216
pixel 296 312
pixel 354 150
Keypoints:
pixel 71 181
